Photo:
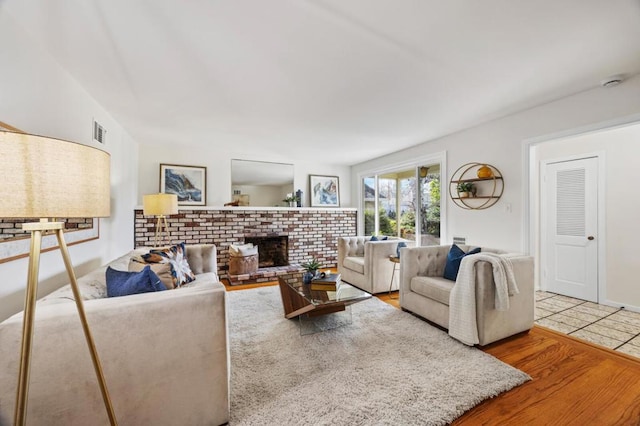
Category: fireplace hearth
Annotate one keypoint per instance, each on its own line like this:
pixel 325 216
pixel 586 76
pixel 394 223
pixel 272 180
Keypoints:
pixel 273 250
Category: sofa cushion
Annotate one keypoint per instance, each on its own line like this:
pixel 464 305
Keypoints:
pixel 176 257
pixel 453 261
pixel 435 288
pixel 355 263
pixel 123 283
pixel 162 270
pixel 202 258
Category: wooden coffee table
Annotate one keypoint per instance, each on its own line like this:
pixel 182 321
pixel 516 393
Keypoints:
pixel 299 299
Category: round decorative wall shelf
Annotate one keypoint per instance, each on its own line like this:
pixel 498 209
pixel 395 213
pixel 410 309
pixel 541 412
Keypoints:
pixel 471 192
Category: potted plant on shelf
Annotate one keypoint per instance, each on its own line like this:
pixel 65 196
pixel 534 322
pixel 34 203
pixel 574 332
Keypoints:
pixel 466 189
pixel 311 268
pixel 291 199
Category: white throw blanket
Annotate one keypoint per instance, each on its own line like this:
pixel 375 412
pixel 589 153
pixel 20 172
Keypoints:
pixel 462 301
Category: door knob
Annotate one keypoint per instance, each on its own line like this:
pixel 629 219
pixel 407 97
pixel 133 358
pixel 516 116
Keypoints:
pixel 591 238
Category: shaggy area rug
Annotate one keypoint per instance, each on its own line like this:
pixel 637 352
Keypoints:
pixel 387 367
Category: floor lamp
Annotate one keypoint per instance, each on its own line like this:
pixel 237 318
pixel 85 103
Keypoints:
pixel 160 205
pixel 45 178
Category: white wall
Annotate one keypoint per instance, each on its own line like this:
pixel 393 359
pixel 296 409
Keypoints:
pixel 500 143
pixel 217 160
pixel 38 96
pixel 621 148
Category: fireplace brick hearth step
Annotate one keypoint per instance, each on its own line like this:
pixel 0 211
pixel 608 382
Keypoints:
pixel 289 272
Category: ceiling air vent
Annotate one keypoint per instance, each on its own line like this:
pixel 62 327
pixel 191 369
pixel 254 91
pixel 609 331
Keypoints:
pixel 99 132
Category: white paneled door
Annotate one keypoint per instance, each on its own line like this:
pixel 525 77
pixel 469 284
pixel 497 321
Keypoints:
pixel 569 224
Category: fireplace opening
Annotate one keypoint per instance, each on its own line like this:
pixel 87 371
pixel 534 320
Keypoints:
pixel 272 250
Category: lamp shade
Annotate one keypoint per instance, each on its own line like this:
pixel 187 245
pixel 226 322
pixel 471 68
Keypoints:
pixel 51 178
pixel 160 204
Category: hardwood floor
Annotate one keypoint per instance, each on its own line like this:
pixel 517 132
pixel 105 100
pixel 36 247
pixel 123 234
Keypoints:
pixel 573 382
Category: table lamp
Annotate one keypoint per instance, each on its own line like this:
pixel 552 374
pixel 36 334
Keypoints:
pixel 45 178
pixel 160 205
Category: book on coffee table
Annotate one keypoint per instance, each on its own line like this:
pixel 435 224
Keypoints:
pixel 327 282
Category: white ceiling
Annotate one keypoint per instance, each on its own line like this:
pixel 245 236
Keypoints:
pixel 345 80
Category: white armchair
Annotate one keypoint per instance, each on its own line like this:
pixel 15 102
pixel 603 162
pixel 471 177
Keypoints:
pixel 425 292
pixel 366 265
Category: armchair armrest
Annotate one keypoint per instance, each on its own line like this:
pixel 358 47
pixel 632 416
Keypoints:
pixel 378 251
pixel 493 324
pixel 523 271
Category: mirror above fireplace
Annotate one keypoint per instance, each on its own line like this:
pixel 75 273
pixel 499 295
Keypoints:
pixel 261 183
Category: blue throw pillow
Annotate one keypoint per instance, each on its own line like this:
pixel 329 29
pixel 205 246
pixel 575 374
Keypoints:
pixel 400 245
pixel 123 283
pixel 453 261
pixel 374 238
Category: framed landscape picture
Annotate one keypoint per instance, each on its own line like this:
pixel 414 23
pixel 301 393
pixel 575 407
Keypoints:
pixel 189 183
pixel 325 191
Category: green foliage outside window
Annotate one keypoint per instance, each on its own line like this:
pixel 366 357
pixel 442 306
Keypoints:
pixel 387 225
pixel 431 214
pixel 408 222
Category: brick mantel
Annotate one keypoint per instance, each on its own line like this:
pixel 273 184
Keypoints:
pixel 311 231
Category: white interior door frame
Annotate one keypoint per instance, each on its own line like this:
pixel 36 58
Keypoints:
pixel 530 173
pixel 601 238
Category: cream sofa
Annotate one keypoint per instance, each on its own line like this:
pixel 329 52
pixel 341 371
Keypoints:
pixel 366 265
pixel 425 292
pixel 165 355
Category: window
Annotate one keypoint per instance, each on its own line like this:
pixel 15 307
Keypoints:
pixel 429 196
pixel 403 203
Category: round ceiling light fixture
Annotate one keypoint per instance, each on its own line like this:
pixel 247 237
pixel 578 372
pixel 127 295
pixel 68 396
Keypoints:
pixel 614 80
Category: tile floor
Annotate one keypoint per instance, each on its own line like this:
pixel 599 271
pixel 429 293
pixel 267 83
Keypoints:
pixel 614 328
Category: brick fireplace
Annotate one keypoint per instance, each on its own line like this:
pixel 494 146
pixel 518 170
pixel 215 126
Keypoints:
pixel 311 232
